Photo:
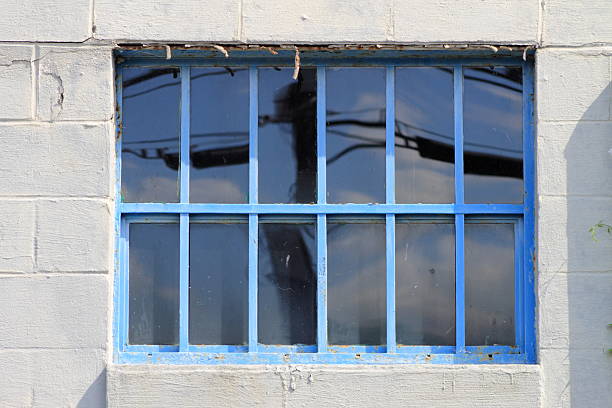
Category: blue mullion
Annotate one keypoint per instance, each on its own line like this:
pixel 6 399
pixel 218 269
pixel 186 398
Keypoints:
pixel 253 244
pixel 253 199
pixel 184 217
pixel 321 218
pixel 518 283
pixel 390 199
pixel 124 320
pixel 528 244
pixel 459 218
pixel 459 284
pixel 170 208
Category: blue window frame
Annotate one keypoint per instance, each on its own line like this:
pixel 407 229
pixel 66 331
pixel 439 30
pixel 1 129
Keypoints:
pixel 468 219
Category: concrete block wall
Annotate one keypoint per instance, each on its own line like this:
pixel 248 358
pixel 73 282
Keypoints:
pixel 56 200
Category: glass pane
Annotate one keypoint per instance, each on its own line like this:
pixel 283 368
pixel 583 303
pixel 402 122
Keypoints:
pixel 356 283
pixel 425 283
pixel 489 284
pixel 355 135
pixel 287 291
pixel 493 135
pixel 218 283
pixel 219 135
pixel 287 136
pixel 154 283
pixel 151 129
pixel 424 135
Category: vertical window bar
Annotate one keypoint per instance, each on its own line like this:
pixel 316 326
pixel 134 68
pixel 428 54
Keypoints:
pixel 321 218
pixel 518 283
pixel 390 199
pixel 125 293
pixel 184 217
pixel 459 218
pixel 120 229
pixel 253 218
pixel 529 216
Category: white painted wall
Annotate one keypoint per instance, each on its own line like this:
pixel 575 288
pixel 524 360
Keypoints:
pixel 56 182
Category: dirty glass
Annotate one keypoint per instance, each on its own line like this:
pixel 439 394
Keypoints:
pixel 489 284
pixel 493 135
pixel 219 150
pixel 287 283
pixel 355 135
pixel 154 283
pixel 150 135
pixel 425 283
pixel 424 135
pixel 287 136
pixel 356 283
pixel 218 283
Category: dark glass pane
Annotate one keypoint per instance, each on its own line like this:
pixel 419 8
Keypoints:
pixel 219 135
pixel 287 136
pixel 218 283
pixel 424 135
pixel 425 283
pixel 355 135
pixel 154 283
pixel 287 291
pixel 151 129
pixel 493 135
pixel 356 283
pixel 489 284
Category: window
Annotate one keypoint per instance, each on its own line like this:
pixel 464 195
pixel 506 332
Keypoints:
pixel 377 209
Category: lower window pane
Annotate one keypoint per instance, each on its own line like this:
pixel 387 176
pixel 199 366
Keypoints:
pixel 154 283
pixel 489 284
pixel 425 283
pixel 287 302
pixel 356 283
pixel 218 283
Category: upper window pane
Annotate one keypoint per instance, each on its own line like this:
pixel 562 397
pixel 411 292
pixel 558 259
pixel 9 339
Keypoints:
pixel 493 135
pixel 219 135
pixel 424 135
pixel 287 136
pixel 355 135
pixel 151 129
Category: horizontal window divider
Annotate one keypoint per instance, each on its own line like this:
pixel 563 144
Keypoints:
pixel 316 358
pixel 171 208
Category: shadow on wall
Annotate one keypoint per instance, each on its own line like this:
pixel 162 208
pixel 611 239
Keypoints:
pixel 586 277
pixel 95 395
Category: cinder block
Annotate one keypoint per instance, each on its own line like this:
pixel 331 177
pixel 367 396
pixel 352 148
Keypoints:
pixel 187 20
pixel 53 378
pixel 16 236
pixel 295 21
pixel 68 311
pixel 564 242
pixel 60 159
pixel 74 236
pixel 576 378
pixel 15 81
pixel 572 85
pixel 577 22
pixel 493 21
pixel 572 157
pixel 75 83
pixel 45 20
pixel 575 310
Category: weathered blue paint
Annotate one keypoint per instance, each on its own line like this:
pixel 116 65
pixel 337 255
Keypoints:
pixel 173 208
pixel 391 353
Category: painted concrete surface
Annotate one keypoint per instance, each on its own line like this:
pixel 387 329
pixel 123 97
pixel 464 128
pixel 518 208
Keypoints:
pixel 57 172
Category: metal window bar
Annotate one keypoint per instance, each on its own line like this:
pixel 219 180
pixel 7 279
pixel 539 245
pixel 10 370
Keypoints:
pixel 522 215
